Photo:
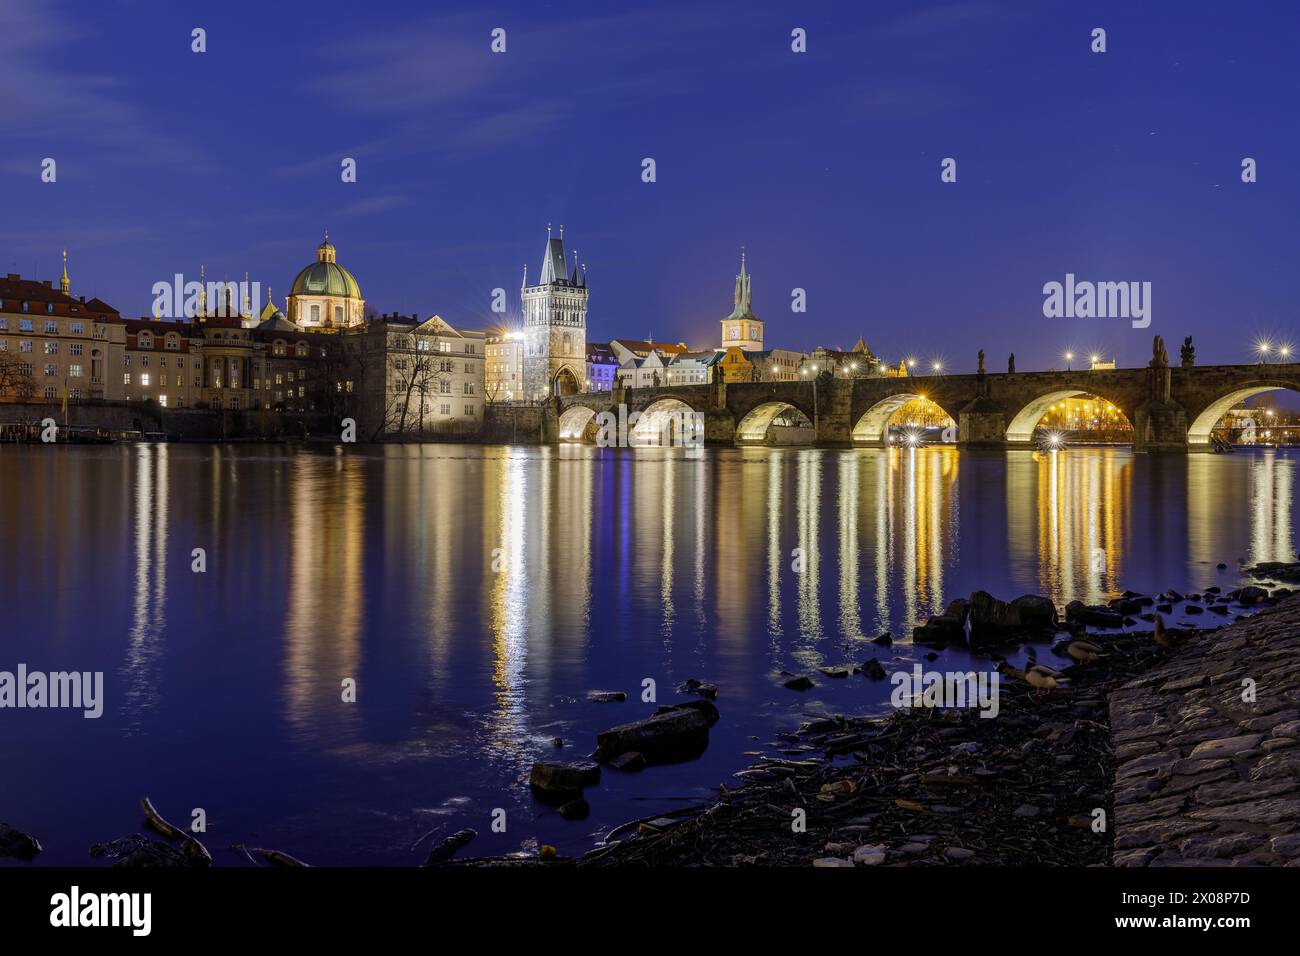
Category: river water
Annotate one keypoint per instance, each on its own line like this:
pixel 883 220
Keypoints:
pixel 476 594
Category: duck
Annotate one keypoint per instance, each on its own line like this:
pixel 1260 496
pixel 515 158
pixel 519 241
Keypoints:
pixel 1040 676
pixel 1085 652
pixel 1166 639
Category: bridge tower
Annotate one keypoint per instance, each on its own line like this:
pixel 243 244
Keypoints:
pixel 555 325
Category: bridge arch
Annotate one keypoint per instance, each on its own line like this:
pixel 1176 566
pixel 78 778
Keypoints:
pixel 666 421
pixel 1198 431
pixel 870 427
pixel 1020 430
pixel 576 422
pixel 752 429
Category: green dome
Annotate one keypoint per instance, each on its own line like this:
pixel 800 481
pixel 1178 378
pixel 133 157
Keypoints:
pixel 325 278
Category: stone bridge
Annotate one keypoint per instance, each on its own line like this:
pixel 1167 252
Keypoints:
pixel 1170 409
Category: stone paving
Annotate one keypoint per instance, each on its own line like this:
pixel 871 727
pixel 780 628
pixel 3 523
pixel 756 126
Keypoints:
pixel 1206 776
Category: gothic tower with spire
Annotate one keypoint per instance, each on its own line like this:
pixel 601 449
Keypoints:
pixel 742 327
pixel 555 325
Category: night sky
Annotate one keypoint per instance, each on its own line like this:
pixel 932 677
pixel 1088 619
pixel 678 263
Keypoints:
pixel 1122 166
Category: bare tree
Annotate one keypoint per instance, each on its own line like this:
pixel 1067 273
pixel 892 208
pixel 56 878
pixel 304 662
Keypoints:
pixel 403 373
pixel 16 383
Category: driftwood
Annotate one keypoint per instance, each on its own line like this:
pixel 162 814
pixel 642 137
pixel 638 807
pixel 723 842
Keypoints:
pixel 277 857
pixel 190 846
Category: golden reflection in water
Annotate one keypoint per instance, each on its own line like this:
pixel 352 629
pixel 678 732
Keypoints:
pixel 668 473
pixel 323 636
pixel 699 476
pixel 1271 490
pixel 921 501
pixel 149 599
pixel 884 544
pixel 1074 509
pixel 509 601
pixel 847 515
pixel 775 483
pixel 807 492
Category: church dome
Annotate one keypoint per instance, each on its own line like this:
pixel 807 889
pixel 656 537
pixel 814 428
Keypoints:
pixel 325 276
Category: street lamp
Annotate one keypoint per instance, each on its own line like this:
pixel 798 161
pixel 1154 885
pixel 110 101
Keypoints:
pixel 1263 348
pixel 938 367
pixel 1069 357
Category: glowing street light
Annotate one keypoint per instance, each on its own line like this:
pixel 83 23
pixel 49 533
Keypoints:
pixel 1263 348
pixel 938 367
pixel 1069 357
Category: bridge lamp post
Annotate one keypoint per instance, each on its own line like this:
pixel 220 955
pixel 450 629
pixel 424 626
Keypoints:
pixel 1069 357
pixel 937 367
pixel 1284 352
pixel 1263 348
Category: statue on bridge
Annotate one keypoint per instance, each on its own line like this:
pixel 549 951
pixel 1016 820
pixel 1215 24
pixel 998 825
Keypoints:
pixel 1159 357
pixel 981 362
pixel 1189 353
pixel 1011 363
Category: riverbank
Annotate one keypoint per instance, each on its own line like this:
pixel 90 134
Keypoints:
pixel 1104 771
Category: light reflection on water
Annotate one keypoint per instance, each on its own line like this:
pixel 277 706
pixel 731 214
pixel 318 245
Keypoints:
pixel 477 594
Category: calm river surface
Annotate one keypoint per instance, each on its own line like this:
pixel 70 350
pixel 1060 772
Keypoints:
pixel 222 689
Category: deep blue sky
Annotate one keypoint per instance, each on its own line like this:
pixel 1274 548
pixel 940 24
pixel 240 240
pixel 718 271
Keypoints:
pixel 1119 166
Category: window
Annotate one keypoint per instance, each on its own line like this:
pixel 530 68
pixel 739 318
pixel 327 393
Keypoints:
pixel 74 393
pixel 469 388
pixel 300 350
pixel 25 325
pixel 145 340
pixel 49 308
pixel 338 315
pixel 26 308
pixel 234 404
pixel 469 348
pixel 144 361
pixel 126 378
pixel 77 328
pixel 278 348
pixel 51 392
pixel 76 348
pixel 74 371
pixel 444 346
pixel 25 346
pixel 51 370
pixel 172 342
pixel 4 345
pixel 162 361
pixel 144 379
pixel 444 409
pixel 4 325
pixel 445 387
pixel 126 360
pixel 51 348
pixel 162 400
pixel 315 315
pixel 51 328
pixel 469 411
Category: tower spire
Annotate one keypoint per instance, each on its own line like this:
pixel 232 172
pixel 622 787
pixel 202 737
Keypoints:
pixel 203 293
pixel 64 285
